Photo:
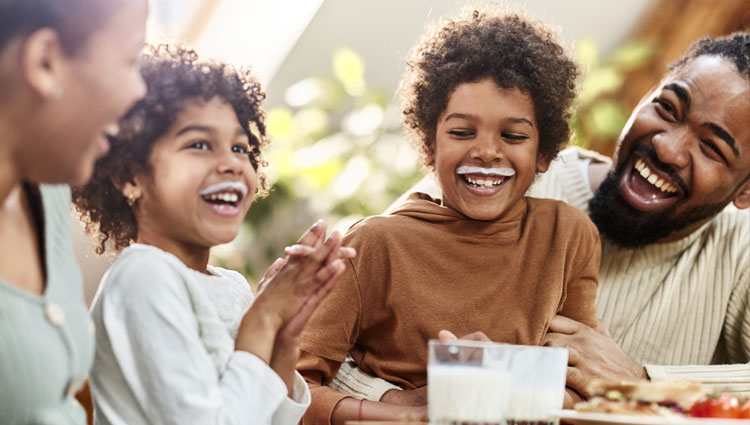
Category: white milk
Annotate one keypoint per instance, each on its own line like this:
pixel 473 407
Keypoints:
pixel 466 393
pixel 532 405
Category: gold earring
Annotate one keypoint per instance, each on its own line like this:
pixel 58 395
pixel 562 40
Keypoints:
pixel 131 200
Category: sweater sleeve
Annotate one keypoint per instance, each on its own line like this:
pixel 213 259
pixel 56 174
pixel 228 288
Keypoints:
pixel 580 289
pixel 352 381
pixel 326 341
pixel 733 377
pixel 156 343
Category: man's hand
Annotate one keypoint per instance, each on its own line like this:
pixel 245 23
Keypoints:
pixel 591 354
pixel 571 398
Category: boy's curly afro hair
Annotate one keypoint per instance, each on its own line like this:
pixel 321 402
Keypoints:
pixel 488 42
pixel 173 75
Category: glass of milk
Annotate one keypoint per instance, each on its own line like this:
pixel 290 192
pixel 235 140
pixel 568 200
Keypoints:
pixel 487 383
pixel 537 383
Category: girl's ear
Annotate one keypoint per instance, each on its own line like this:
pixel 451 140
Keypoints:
pixel 542 163
pixel 43 63
pixel 742 199
pixel 130 189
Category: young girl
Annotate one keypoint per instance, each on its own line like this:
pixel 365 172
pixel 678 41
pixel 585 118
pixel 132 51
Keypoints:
pixel 485 96
pixel 179 341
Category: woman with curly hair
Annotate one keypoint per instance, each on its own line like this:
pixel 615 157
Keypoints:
pixel 67 71
pixel 485 97
pixel 180 341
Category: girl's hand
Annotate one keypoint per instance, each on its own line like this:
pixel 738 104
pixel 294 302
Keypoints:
pixel 306 245
pixel 286 346
pixel 286 293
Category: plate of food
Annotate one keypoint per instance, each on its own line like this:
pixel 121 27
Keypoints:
pixel 656 403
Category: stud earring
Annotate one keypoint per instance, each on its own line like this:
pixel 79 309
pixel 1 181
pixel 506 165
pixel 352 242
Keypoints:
pixel 131 200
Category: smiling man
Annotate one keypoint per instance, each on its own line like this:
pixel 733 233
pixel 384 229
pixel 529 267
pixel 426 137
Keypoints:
pixel 674 288
pixel 671 207
pixel 675 273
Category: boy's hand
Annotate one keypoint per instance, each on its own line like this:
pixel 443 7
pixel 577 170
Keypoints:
pixel 415 397
pixel 446 335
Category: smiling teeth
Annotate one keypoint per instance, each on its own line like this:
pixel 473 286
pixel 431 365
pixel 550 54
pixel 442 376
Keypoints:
pixel 652 178
pixel 226 197
pixel 487 184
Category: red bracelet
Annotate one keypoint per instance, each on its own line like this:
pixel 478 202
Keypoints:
pixel 361 402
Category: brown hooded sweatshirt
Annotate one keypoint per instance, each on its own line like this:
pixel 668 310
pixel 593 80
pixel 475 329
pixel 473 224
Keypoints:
pixel 426 267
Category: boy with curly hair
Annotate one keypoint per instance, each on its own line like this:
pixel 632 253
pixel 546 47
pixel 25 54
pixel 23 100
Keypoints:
pixel 486 97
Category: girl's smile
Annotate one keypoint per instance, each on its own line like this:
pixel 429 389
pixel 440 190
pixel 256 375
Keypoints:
pixel 225 198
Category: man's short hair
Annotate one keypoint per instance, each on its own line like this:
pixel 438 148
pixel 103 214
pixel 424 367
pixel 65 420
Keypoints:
pixel 734 47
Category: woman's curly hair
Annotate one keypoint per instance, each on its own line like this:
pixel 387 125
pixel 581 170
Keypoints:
pixel 488 42
pixel 173 75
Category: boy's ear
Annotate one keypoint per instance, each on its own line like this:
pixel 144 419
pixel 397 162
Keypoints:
pixel 429 158
pixel 43 63
pixel 742 199
pixel 542 163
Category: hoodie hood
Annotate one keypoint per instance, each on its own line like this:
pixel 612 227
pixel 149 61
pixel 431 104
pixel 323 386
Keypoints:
pixel 423 207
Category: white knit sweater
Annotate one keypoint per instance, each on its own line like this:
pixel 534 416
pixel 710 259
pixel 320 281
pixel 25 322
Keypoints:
pixel 681 308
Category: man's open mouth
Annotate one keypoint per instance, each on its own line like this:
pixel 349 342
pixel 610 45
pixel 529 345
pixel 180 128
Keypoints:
pixel 646 187
pixel 653 178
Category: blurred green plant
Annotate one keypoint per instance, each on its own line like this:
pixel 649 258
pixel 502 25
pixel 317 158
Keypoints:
pixel 337 153
pixel 598 115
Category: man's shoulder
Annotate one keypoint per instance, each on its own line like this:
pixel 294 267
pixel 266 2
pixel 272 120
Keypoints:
pixel 567 178
pixel 731 228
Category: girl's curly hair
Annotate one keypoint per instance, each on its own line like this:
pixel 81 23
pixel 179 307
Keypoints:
pixel 173 75
pixel 494 42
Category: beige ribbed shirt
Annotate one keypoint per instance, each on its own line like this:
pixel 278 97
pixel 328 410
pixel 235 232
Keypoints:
pixel 681 308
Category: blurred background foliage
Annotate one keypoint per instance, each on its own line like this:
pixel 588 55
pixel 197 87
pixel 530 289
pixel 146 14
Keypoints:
pixel 338 151
pixel 599 114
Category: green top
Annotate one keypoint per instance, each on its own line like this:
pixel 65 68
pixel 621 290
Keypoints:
pixel 46 341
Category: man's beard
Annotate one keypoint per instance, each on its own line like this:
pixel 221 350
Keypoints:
pixel 629 227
